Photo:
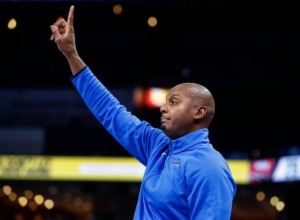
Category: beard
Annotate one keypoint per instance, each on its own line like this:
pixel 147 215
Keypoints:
pixel 162 127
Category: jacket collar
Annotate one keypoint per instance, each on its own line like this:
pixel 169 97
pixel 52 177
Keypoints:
pixel 199 137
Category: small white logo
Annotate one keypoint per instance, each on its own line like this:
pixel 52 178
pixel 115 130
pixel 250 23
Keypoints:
pixel 175 163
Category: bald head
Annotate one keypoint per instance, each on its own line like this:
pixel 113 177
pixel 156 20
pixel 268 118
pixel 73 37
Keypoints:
pixel 202 98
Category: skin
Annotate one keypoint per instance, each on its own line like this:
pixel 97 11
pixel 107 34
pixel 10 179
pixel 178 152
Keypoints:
pixel 64 36
pixel 188 107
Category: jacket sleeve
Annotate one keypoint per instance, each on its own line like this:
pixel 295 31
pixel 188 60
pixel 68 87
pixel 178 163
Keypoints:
pixel 136 136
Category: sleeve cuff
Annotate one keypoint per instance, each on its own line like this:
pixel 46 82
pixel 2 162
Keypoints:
pixel 73 76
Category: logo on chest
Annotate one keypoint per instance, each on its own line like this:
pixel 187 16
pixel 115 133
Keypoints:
pixel 175 163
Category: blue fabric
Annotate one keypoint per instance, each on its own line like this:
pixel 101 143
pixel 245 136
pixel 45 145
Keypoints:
pixel 185 178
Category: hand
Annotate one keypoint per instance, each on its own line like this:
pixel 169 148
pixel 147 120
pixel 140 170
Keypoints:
pixel 63 34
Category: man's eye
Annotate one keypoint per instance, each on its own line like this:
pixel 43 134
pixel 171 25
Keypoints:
pixel 173 102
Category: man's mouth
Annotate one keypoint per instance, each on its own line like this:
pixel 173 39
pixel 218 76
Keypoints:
pixel 164 118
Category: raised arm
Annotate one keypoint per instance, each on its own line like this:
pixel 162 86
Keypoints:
pixel 138 138
pixel 64 36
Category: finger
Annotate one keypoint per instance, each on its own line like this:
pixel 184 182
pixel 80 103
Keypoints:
pixel 55 32
pixel 59 18
pixel 71 16
pixel 60 22
pixel 61 25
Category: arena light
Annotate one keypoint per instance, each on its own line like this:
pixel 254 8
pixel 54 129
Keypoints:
pixel 155 97
pixel 117 9
pixel 152 21
pixel 12 24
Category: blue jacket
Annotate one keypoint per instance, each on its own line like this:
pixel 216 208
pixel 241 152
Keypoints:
pixel 185 178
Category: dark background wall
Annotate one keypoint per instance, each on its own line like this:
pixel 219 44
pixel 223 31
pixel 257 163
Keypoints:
pixel 246 53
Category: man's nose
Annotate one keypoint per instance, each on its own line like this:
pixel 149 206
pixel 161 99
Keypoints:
pixel 162 109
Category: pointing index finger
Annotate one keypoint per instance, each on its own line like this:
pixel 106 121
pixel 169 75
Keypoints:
pixel 71 16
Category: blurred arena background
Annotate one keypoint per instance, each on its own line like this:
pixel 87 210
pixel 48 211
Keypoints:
pixel 56 160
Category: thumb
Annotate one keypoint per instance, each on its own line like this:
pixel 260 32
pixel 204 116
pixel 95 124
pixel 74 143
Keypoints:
pixel 55 31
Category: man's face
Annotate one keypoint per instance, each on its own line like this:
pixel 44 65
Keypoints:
pixel 178 112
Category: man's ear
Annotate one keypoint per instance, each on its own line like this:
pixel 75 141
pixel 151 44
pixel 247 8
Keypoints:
pixel 200 112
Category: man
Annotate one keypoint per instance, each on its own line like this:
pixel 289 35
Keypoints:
pixel 185 177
